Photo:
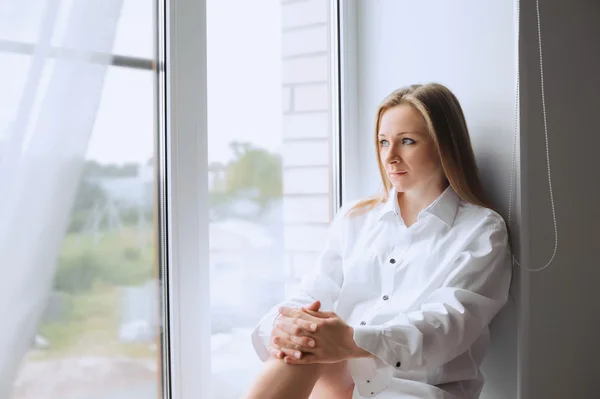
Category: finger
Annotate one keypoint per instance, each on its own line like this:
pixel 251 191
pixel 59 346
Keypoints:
pixel 296 327
pixel 279 335
pixel 278 331
pixel 320 315
pixel 293 354
pixel 291 332
pixel 282 343
pixel 315 306
pixel 306 359
pixel 276 353
pixel 296 314
pixel 305 343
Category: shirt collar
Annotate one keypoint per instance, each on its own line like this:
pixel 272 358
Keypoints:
pixel 391 205
pixel 444 207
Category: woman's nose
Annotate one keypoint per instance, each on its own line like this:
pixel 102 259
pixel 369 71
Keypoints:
pixel 391 156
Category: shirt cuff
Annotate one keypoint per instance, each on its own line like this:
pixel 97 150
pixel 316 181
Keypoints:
pixel 261 336
pixel 368 337
pixel 389 349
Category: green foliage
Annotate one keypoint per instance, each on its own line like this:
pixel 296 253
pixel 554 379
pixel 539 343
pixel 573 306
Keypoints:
pixel 89 324
pixel 89 279
pixel 89 195
pixel 114 260
pixel 254 172
pixel 130 216
pixel 91 270
pixel 95 169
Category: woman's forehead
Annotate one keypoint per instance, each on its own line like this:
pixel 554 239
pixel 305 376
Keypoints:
pixel 401 119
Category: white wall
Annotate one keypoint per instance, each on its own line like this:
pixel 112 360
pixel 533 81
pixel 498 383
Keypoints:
pixel 470 47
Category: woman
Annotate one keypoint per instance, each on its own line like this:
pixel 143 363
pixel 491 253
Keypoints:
pixel 399 303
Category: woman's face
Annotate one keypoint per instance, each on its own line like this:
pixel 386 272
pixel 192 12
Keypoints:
pixel 407 151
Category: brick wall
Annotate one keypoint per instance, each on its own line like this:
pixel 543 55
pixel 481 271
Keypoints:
pixel 306 132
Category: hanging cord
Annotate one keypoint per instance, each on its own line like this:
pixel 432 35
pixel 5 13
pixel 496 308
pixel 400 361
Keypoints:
pixel 516 126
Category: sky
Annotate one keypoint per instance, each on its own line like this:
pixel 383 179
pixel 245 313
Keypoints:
pixel 244 76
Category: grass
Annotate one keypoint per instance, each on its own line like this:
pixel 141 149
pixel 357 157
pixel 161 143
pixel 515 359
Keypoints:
pixel 91 275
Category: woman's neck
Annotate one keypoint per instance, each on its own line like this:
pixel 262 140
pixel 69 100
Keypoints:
pixel 414 201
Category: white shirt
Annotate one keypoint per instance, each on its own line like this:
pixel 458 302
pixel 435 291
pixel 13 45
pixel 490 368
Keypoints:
pixel 419 298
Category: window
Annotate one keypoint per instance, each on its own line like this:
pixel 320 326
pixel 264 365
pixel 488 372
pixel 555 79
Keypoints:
pixel 270 119
pixel 99 331
pixel 146 226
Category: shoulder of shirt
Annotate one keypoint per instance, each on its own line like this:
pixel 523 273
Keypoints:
pixel 479 215
pixel 342 213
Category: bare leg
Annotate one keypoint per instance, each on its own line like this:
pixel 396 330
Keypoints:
pixel 335 382
pixel 280 380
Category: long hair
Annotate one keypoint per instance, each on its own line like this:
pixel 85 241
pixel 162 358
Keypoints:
pixel 446 124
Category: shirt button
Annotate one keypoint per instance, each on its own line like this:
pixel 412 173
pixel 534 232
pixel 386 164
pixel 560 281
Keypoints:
pixel 368 381
pixel 385 297
pixel 363 323
pixel 392 261
pixel 398 364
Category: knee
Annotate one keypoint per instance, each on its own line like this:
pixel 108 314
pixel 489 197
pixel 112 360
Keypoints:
pixel 313 369
pixel 336 371
pixel 335 381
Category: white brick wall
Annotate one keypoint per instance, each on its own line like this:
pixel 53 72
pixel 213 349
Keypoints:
pixel 306 69
pixel 305 41
pixel 304 13
pixel 306 209
pixel 306 181
pixel 311 98
pixel 305 237
pixel 306 153
pixel 304 126
pixel 306 133
pixel 286 99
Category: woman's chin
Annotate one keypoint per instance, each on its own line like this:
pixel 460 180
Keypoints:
pixel 400 187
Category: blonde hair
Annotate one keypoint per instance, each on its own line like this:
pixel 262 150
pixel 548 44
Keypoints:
pixel 446 123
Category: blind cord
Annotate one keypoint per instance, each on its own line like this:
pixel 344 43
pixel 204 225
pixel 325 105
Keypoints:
pixel 516 129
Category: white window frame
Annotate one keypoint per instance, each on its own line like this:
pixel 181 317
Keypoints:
pixel 346 84
pixel 183 182
pixel 183 190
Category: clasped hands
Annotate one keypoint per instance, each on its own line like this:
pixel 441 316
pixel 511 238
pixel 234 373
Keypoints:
pixel 307 335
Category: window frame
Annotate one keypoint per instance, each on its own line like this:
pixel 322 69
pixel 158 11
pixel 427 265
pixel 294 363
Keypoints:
pixel 346 60
pixel 126 61
pixel 184 189
pixel 183 192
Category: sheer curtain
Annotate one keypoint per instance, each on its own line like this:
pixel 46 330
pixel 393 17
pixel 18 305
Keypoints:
pixel 45 125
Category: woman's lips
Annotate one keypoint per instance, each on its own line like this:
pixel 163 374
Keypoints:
pixel 398 173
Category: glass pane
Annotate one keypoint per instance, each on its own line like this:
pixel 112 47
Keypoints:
pixel 269 167
pixel 13 73
pixel 24 22
pixel 99 333
pixel 21 20
pixel 134 35
pixel 98 336
pixel 135 32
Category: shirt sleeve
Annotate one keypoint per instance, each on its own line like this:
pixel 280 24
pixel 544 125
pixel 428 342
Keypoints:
pixel 453 316
pixel 323 283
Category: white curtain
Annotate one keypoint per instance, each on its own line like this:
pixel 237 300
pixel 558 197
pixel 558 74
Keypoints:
pixel 42 150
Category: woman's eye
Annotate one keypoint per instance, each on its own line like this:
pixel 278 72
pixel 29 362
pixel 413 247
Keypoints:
pixel 384 143
pixel 407 141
